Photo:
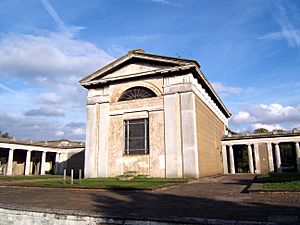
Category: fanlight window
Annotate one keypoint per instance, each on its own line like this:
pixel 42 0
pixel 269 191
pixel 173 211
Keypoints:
pixel 136 93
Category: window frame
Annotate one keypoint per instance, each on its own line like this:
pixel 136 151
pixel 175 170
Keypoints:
pixel 126 126
pixel 134 92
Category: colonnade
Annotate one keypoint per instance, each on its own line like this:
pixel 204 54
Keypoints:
pixel 254 157
pixel 9 170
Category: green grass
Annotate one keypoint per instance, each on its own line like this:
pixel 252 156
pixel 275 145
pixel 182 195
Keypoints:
pixel 33 177
pixel 281 181
pixel 111 183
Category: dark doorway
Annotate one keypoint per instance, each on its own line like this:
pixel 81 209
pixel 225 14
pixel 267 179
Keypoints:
pixel 288 157
pixel 241 158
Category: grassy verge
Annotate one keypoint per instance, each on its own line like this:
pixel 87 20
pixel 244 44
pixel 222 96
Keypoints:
pixel 33 177
pixel 106 183
pixel 282 181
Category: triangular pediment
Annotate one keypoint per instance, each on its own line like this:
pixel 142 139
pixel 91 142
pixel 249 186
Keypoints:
pixel 132 69
pixel 134 63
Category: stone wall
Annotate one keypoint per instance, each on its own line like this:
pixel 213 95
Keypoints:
pixel 263 158
pixel 209 133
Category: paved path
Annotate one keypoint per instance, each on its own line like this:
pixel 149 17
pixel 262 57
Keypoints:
pixel 214 198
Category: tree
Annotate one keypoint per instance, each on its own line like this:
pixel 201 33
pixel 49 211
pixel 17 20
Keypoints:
pixel 279 130
pixel 5 135
pixel 261 131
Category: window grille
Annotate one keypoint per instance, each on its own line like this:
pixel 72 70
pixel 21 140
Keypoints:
pixel 136 93
pixel 136 134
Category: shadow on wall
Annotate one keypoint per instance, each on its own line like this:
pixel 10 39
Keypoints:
pixel 75 162
pixel 181 205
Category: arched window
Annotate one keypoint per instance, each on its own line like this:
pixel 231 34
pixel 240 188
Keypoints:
pixel 136 93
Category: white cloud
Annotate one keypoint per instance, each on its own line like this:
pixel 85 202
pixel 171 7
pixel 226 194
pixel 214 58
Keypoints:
pixel 243 117
pixel 49 98
pixel 49 55
pixel 59 133
pixel 272 116
pixel 79 131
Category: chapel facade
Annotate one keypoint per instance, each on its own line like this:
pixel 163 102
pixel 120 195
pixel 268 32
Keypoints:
pixel 155 115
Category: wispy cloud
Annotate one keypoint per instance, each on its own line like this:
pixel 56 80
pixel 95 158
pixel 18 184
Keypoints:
pixel 287 17
pixel 225 90
pixel 2 86
pixel 159 1
pixel 60 23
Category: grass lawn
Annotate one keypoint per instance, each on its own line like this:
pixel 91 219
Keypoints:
pixel 279 181
pixel 33 177
pixel 111 183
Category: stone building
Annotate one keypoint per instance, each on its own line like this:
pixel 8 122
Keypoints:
pixel 155 115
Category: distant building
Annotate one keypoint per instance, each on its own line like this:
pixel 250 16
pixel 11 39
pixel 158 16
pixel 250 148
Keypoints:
pixel 155 115
pixel 40 158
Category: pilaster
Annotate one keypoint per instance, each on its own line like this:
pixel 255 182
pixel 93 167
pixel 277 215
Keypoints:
pixel 189 135
pixel 90 151
pixel 173 135
pixel 103 124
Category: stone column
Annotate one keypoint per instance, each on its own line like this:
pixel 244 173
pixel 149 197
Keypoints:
pixel 256 158
pixel 231 160
pixel 224 156
pixel 10 162
pixel 270 157
pixel 278 158
pixel 43 161
pixel 250 159
pixel 27 164
pixel 297 156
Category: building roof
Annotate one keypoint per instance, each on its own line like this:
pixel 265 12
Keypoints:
pixel 171 65
pixel 262 135
pixel 63 144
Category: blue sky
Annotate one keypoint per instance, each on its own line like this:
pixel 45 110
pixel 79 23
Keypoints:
pixel 248 50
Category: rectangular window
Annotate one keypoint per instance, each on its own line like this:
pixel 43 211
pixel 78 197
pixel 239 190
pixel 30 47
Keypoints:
pixel 136 136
